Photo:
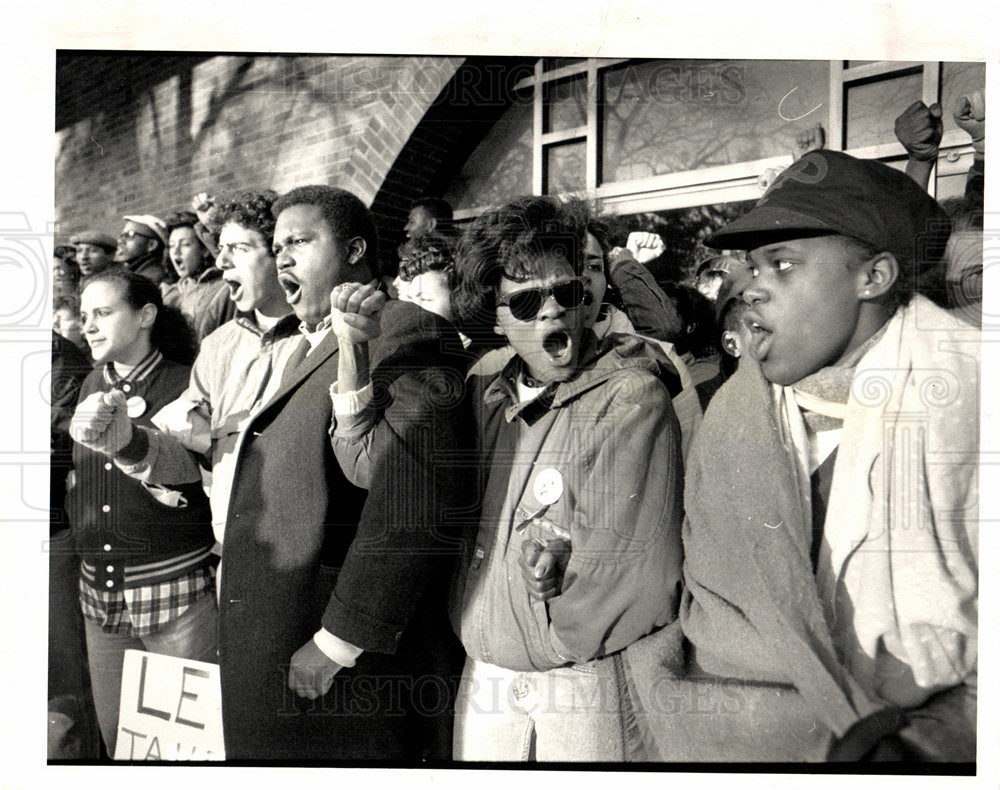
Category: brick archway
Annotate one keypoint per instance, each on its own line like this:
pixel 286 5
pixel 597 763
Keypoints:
pixel 471 102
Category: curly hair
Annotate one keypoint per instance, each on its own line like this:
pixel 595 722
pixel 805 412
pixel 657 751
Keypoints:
pixel 509 241
pixel 429 253
pixel 346 214
pixel 251 209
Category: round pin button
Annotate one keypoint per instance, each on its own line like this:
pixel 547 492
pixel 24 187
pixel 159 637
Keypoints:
pixel 135 406
pixel 548 486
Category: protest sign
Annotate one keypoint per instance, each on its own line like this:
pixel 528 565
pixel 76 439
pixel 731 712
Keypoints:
pixel 171 709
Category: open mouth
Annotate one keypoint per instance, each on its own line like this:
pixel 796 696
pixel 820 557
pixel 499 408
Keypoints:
pixel 235 289
pixel 291 288
pixel 557 345
pixel 760 337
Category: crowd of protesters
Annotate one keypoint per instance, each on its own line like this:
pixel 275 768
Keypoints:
pixel 608 518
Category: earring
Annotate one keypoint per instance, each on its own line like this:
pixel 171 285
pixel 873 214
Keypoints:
pixel 868 293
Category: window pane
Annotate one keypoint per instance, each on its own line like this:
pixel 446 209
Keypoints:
pixel 565 167
pixel 951 186
pixel 500 167
pixel 959 79
pixel 871 108
pixel 565 104
pixel 670 116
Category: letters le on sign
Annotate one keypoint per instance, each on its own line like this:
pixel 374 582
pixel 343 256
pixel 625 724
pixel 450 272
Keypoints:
pixel 171 709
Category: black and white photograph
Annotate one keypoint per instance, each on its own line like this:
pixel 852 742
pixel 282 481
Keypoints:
pixel 447 395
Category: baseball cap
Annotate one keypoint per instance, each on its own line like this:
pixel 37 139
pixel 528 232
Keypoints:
pixel 832 192
pixel 155 224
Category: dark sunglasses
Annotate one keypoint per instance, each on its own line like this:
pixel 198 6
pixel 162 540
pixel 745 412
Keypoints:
pixel 524 305
pixel 131 234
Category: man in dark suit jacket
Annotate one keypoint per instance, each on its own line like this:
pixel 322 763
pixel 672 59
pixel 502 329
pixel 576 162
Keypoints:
pixel 334 642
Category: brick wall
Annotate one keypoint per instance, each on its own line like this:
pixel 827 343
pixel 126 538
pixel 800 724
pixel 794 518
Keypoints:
pixel 142 134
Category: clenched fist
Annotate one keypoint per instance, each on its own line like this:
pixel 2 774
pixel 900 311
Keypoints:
pixel 970 115
pixel 101 422
pixel 356 310
pixel 543 565
pixel 645 246
pixel 919 129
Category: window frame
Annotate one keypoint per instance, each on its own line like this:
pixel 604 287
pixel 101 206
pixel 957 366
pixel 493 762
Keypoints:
pixel 725 183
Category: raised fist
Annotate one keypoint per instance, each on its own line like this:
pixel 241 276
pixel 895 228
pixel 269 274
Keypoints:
pixel 811 139
pixel 970 115
pixel 356 311
pixel 644 246
pixel 919 128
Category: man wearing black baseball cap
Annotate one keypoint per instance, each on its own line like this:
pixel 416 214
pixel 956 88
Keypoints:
pixel 831 496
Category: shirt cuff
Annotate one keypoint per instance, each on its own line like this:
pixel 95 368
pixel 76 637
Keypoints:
pixel 336 649
pixel 346 404
pixel 136 450
pixel 617 256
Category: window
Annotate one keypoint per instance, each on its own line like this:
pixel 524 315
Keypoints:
pixel 658 135
pixel 865 121
pixel 664 117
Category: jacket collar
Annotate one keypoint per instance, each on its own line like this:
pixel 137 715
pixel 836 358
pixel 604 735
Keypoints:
pixel 294 374
pixel 146 259
pixel 285 327
pixel 602 359
pixel 210 273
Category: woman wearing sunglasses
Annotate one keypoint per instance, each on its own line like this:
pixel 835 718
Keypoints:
pixel 623 298
pixel 577 553
pixel 578 548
